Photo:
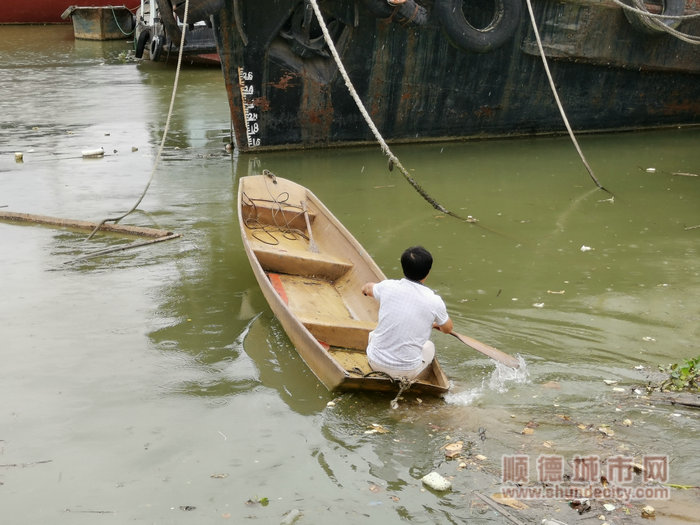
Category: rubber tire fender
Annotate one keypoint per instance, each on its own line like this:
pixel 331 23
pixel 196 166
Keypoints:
pixel 141 43
pixel 463 35
pixel 156 48
pixel 650 26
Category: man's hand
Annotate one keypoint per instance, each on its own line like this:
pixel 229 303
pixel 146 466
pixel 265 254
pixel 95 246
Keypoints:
pixel 445 328
pixel 367 289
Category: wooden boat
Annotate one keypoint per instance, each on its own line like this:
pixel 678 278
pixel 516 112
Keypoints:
pixel 311 270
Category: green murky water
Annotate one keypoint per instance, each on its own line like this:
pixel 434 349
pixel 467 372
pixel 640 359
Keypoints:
pixel 143 383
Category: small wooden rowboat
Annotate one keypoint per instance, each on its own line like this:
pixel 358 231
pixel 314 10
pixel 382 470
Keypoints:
pixel 311 270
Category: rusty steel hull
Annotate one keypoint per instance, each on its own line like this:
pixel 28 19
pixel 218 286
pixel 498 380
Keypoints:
pixel 285 90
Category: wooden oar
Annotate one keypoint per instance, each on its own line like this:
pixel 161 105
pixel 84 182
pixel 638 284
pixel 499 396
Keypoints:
pixel 489 351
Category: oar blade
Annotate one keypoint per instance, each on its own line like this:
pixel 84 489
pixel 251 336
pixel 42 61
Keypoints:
pixel 489 351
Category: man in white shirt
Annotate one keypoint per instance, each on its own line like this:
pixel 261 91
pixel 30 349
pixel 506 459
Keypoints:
pixel 408 310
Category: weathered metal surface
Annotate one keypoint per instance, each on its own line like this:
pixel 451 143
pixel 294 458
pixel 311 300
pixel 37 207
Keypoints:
pixel 101 23
pixel 158 31
pixel 285 90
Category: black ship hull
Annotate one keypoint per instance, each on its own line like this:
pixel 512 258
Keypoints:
pixel 422 80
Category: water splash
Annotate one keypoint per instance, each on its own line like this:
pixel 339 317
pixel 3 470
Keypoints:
pixel 503 375
pixel 499 381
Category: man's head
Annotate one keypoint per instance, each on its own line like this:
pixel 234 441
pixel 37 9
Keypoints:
pixel 416 263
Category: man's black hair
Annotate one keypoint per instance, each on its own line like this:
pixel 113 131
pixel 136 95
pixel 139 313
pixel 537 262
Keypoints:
pixel 416 262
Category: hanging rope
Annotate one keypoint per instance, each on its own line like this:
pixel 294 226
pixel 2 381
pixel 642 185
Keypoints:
pixel 116 22
pixel 165 130
pixel 393 160
pixel 556 97
pixel 685 37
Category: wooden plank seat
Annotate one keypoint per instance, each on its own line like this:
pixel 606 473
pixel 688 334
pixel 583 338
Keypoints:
pixel 345 333
pixel 318 306
pixel 277 214
pixel 292 256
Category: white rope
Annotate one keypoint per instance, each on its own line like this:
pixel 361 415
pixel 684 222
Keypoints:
pixel 165 129
pixel 556 96
pixel 657 21
pixel 393 160
pixel 654 15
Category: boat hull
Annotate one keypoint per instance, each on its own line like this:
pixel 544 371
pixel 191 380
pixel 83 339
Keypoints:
pixel 285 90
pixel 48 11
pixel 315 294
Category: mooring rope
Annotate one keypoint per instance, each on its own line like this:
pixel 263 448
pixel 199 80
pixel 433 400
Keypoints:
pixel 556 97
pixel 118 24
pixel 165 129
pixel 658 19
pixel 281 206
pixel 393 159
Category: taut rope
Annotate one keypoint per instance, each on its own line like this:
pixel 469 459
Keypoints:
pixel 556 97
pixel 393 159
pixel 165 130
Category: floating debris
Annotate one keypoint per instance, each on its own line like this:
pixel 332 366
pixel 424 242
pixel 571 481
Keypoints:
pixel 509 502
pixel 648 512
pixel 585 248
pixel 291 517
pixel 454 449
pixel 19 156
pixel 376 428
pixel 93 153
pixel 606 431
pixel 436 482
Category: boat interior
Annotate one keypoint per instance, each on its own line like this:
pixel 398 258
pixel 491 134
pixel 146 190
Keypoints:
pixel 314 284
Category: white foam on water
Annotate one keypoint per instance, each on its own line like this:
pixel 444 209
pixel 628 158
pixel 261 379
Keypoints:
pixel 499 381
pixel 503 375
pixel 465 397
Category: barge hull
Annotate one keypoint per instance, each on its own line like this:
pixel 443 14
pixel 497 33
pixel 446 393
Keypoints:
pixel 285 90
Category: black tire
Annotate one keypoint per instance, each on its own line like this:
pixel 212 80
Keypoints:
pixel 141 43
pixel 463 35
pixel 650 25
pixel 156 48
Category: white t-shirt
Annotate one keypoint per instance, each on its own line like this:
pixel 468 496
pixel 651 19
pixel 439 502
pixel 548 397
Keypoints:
pixel 407 311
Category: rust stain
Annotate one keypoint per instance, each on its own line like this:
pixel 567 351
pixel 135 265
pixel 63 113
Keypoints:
pixel 486 112
pixel 262 103
pixel 284 82
pixel 319 117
